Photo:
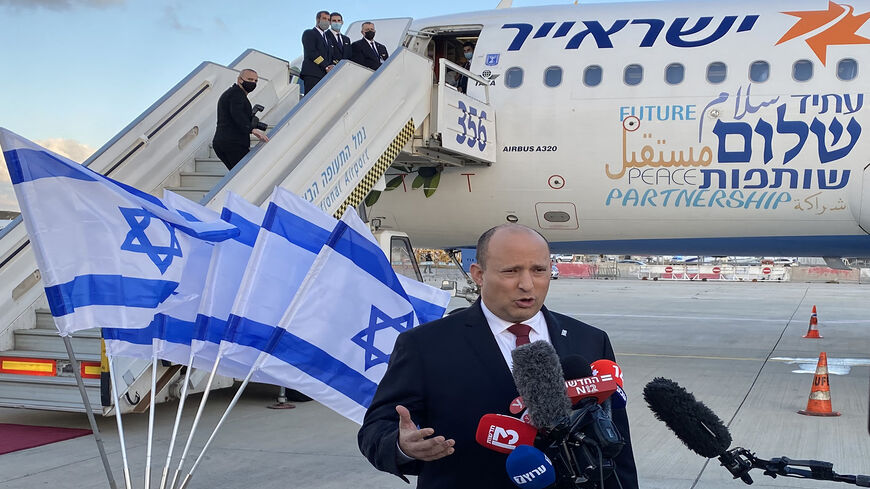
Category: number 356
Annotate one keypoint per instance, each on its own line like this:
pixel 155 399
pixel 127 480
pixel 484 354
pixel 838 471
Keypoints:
pixel 473 133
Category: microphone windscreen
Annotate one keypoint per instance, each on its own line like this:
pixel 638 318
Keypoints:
pixel 529 468
pixel 619 399
pixel 539 379
pixel 608 367
pixel 693 422
pixel 503 433
pixel 576 367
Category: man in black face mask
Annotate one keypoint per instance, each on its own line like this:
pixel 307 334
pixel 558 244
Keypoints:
pixel 232 138
pixel 367 51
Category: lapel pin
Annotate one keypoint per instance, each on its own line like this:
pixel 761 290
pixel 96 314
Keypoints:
pixel 564 333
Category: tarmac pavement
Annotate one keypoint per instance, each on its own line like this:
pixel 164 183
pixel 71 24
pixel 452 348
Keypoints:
pixel 736 346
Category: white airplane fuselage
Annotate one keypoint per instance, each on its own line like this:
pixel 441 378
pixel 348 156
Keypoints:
pixel 775 166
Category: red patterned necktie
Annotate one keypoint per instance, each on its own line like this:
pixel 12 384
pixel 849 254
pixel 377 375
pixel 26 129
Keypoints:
pixel 521 331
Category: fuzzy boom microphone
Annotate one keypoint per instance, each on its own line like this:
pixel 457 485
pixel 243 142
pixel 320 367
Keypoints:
pixel 540 382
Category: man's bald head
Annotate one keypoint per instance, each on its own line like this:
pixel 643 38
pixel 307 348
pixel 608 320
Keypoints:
pixel 483 241
pixel 247 72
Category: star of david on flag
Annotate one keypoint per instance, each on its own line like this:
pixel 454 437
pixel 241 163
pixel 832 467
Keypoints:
pixel 78 222
pixel 137 239
pixel 378 320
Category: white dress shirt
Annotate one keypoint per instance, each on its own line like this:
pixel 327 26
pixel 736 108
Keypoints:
pixel 506 340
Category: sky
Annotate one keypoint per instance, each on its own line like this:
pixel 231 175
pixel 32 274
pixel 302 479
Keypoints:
pixel 78 71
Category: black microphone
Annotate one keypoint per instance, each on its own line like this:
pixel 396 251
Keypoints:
pixel 541 383
pixel 693 422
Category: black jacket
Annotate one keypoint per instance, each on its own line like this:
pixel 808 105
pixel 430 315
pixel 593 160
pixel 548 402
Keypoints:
pixel 234 117
pixel 449 373
pixel 364 55
pixel 317 54
pixel 340 51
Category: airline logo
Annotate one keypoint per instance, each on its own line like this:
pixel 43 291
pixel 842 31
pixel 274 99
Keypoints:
pixel 530 475
pixel 501 437
pixel 840 28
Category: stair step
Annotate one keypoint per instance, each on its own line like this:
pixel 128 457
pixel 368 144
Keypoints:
pixel 44 320
pixel 83 342
pixel 193 193
pixel 209 165
pixel 201 179
pixel 54 393
pixel 50 355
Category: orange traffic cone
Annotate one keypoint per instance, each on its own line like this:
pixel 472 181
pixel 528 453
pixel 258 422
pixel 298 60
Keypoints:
pixel 813 331
pixel 819 403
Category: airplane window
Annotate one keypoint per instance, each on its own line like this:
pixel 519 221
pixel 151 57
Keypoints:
pixel 553 76
pixel 847 69
pixel 716 72
pixel 592 75
pixel 802 70
pixel 633 74
pixel 759 71
pixel 674 73
pixel 513 77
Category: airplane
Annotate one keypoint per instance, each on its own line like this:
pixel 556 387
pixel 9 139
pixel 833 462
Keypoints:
pixel 702 128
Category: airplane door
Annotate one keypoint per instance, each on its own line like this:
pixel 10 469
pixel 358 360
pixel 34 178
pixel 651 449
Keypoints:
pixel 389 32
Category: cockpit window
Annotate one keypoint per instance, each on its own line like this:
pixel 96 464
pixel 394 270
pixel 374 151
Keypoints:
pixel 633 74
pixel 592 75
pixel 513 77
pixel 716 72
pixel 553 76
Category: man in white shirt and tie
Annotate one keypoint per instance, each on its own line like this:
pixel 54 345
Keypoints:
pixel 367 51
pixel 444 375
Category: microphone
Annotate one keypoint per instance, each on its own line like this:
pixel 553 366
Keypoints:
pixel 604 366
pixel 504 433
pixel 540 382
pixel 693 422
pixel 529 468
pixel 583 383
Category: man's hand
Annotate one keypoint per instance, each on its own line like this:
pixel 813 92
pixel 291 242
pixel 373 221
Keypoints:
pixel 414 443
pixel 260 135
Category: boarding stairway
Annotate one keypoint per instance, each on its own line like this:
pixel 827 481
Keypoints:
pixel 332 147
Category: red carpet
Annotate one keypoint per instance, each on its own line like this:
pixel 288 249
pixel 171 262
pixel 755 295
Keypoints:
pixel 14 437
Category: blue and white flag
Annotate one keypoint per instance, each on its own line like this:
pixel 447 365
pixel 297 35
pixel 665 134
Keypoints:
pixel 110 255
pixel 338 354
pixel 292 233
pixel 228 264
pixel 169 334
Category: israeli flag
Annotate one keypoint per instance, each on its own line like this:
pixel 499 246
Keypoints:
pixel 293 232
pixel 337 354
pixel 170 333
pixel 227 268
pixel 110 255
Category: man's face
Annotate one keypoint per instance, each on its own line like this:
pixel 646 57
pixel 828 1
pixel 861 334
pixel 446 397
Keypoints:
pixel 517 276
pixel 323 17
pixel 368 28
pixel 467 49
pixel 336 18
pixel 247 76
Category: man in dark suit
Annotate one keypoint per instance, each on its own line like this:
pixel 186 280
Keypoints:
pixel 467 54
pixel 367 51
pixel 444 375
pixel 232 137
pixel 317 52
pixel 340 44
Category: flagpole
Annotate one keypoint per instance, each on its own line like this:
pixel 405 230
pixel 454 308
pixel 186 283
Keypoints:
pixel 196 421
pixel 223 418
pixel 118 419
pixel 177 420
pixel 90 414
pixel 151 419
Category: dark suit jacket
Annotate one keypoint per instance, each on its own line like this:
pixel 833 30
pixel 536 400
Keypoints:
pixel 341 50
pixel 363 54
pixel 317 54
pixel 449 373
pixel 234 118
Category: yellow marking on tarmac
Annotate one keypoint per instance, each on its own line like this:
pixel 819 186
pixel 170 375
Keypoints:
pixel 695 357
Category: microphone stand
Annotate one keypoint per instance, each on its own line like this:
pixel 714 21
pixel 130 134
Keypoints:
pixel 739 461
